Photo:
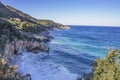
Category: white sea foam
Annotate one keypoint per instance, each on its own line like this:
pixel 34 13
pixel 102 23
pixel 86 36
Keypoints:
pixel 42 69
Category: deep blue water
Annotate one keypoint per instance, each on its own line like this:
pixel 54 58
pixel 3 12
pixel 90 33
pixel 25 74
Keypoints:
pixel 72 53
pixel 78 47
pixel 89 40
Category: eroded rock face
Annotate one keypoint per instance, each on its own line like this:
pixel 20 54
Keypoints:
pixel 18 46
pixel 36 47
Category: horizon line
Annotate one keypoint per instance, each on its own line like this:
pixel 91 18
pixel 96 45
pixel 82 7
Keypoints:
pixel 92 25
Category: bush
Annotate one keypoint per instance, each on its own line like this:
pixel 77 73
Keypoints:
pixel 107 68
pixel 7 32
pixel 8 72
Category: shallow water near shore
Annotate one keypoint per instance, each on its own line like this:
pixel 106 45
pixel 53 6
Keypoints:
pixel 71 53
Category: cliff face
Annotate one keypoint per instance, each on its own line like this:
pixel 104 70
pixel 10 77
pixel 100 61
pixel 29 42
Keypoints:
pixel 14 41
pixel 20 31
pixel 24 21
pixel 18 46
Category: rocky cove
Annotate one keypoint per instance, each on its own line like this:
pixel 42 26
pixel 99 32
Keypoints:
pixel 16 47
pixel 20 32
pixel 90 50
pixel 35 43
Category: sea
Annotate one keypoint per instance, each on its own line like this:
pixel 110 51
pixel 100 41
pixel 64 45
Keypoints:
pixel 72 53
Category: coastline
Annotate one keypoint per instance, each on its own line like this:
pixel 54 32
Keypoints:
pixel 35 48
pixel 19 31
pixel 34 43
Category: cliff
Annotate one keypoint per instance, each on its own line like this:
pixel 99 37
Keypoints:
pixel 19 31
pixel 14 41
pixel 25 22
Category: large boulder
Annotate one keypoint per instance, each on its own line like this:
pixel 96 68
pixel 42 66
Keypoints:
pixel 18 46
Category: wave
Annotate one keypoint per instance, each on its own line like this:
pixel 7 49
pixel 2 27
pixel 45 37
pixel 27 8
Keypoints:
pixel 79 46
pixel 42 69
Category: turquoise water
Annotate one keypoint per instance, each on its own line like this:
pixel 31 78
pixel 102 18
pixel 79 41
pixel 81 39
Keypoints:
pixel 78 47
pixel 71 53
pixel 94 41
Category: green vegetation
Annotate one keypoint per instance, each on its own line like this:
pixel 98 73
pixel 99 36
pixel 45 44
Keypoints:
pixel 24 21
pixel 5 32
pixel 16 24
pixel 20 24
pixel 8 72
pixel 107 68
pixel 8 33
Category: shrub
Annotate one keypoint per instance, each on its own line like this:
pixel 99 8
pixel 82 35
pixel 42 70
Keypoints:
pixel 8 72
pixel 105 69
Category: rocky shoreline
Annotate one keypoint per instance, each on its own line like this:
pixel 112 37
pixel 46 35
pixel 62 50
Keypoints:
pixel 18 46
pixel 19 31
pixel 37 44
pixel 15 42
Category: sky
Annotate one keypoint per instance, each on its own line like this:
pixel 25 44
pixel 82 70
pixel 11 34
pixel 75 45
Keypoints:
pixel 72 12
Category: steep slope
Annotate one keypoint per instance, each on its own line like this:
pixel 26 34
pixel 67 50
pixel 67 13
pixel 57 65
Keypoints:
pixel 18 31
pixel 25 22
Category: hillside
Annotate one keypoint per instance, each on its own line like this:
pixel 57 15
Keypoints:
pixel 14 24
pixel 24 21
pixel 19 32
pixel 20 29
